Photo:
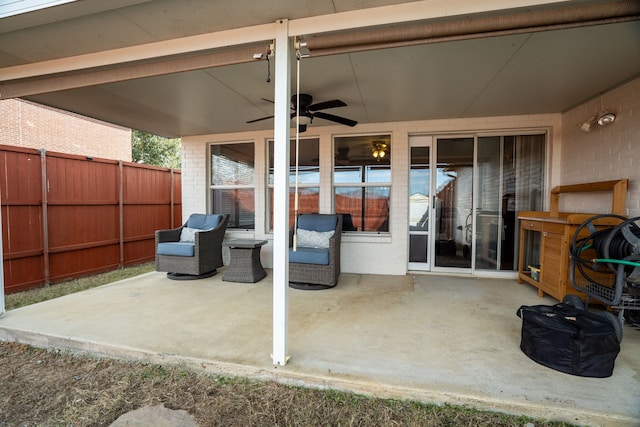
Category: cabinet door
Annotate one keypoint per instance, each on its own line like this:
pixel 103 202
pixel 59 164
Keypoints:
pixel 551 280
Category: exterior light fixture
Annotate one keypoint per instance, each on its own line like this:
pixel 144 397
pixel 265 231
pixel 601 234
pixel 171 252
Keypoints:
pixel 605 119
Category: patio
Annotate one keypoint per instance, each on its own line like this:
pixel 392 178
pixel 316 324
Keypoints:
pixel 425 337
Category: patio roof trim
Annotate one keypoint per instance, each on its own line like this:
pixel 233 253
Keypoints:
pixel 370 17
pixel 166 48
pixel 337 43
pixel 16 8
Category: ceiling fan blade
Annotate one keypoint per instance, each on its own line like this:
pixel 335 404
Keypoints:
pixel 334 103
pixel 260 119
pixel 337 119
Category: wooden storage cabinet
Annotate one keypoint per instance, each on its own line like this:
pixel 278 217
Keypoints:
pixel 555 231
pixel 555 242
pixel 553 276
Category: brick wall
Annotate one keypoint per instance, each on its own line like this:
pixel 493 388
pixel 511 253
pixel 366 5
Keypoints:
pixel 194 178
pixel 605 153
pixel 30 125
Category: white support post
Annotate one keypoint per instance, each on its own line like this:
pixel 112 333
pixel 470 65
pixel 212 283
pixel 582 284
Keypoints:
pixel 281 153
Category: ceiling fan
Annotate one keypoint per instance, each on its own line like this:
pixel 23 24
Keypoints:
pixel 307 111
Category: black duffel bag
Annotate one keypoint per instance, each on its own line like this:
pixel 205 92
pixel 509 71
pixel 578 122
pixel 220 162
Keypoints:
pixel 569 339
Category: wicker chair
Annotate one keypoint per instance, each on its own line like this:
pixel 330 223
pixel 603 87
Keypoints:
pixel 305 269
pixel 194 250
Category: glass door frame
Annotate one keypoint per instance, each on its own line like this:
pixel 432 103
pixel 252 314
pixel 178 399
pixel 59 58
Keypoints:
pixel 434 185
pixel 421 141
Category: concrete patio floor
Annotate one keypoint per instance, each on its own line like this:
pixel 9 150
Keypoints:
pixel 425 337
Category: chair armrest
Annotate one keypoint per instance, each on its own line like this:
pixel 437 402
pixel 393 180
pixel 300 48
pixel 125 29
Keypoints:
pixel 334 244
pixel 213 236
pixel 172 235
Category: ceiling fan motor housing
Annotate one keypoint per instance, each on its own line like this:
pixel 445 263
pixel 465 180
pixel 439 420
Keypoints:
pixel 305 101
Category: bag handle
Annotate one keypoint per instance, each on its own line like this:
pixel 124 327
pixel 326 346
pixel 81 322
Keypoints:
pixel 561 311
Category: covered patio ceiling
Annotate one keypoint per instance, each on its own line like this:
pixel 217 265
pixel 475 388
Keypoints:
pixel 576 51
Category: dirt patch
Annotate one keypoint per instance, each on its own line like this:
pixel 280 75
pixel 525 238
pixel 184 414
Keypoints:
pixel 56 388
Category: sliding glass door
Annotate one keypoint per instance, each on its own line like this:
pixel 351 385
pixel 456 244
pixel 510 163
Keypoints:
pixel 464 195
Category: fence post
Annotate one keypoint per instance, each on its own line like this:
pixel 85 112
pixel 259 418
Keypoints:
pixel 121 210
pixel 2 308
pixel 45 216
pixel 172 203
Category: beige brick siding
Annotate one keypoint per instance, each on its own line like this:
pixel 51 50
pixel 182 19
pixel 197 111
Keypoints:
pixel 30 125
pixel 605 153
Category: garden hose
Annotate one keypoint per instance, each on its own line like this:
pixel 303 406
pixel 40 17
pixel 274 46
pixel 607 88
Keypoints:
pixel 617 261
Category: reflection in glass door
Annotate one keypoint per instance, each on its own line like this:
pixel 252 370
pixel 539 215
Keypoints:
pixel 453 207
pixel 510 174
pixel 419 190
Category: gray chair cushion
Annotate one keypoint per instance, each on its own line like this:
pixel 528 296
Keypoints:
pixel 176 248
pixel 304 255
pixel 203 222
pixel 317 222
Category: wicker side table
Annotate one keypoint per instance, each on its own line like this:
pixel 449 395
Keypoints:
pixel 244 263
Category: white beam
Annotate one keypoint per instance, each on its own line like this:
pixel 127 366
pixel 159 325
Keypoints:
pixel 84 78
pixel 12 8
pixel 281 153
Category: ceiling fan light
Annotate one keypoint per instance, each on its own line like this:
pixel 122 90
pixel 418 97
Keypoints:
pixel 379 149
pixel 303 119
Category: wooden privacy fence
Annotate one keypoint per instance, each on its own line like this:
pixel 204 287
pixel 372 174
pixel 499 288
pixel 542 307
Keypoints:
pixel 66 216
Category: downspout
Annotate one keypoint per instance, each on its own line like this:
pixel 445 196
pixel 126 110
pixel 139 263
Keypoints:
pixel 473 28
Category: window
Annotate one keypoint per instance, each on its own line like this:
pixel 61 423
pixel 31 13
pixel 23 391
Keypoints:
pixel 308 178
pixel 232 183
pixel 362 182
